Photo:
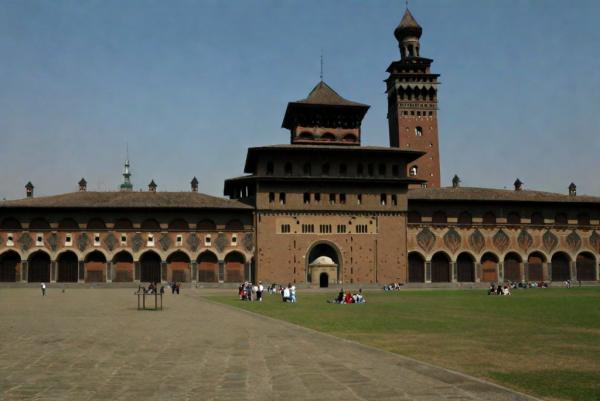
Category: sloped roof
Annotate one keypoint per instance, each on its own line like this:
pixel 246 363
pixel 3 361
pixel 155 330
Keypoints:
pixel 325 95
pixel 492 194
pixel 408 26
pixel 175 200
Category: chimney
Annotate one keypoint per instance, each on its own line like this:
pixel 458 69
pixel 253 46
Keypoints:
pixel 572 189
pixel 455 181
pixel 152 186
pixel 518 185
pixel 194 184
pixel 29 189
pixel 82 185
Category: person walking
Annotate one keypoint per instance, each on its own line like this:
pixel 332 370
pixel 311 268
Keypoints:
pixel 43 286
pixel 260 291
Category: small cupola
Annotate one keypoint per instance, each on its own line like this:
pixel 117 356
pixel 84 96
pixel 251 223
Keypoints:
pixel 82 185
pixel 29 189
pixel 518 185
pixel 408 33
pixel 455 181
pixel 152 186
pixel 572 189
pixel 194 184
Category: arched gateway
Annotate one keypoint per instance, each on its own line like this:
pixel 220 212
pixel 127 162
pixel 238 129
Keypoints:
pixel 323 264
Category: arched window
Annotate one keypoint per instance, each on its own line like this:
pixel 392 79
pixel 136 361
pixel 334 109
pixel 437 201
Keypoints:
pixel 561 219
pixel 234 225
pixel 489 218
pixel 306 136
pixel 439 217
pixel 328 136
pixel 349 138
pixel 583 219
pixel 413 171
pixel 206 225
pixel 537 219
pixel 68 224
pixel 150 224
pixel 306 169
pixel 418 131
pixel 465 218
pixel 39 224
pixel 513 218
pixel 96 224
pixel 10 223
pixel 414 217
pixel 178 225
pixel 288 168
pixel 123 224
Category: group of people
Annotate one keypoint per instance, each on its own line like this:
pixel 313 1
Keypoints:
pixel 348 298
pixel 249 292
pixel 154 289
pixel 499 289
pixel 392 287
pixel 288 294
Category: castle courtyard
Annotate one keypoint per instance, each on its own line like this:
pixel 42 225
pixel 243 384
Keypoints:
pixel 93 344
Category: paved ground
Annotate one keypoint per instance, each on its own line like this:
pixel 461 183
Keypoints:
pixel 92 344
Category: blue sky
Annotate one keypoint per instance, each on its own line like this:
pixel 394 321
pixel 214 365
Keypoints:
pixel 191 84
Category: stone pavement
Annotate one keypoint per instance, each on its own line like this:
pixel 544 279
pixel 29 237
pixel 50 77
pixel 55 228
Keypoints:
pixel 92 344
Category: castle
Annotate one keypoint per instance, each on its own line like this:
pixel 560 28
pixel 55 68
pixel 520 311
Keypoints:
pixel 321 210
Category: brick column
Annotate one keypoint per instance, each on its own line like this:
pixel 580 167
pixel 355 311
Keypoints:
pixel 525 272
pixel 500 269
pixel 221 271
pixel 24 270
pixel 81 275
pixel 136 271
pixel 247 271
pixel 53 271
pixel 428 272
pixel 454 272
pixel 163 270
pixel 546 269
pixel 194 271
pixel 109 273
pixel 573 272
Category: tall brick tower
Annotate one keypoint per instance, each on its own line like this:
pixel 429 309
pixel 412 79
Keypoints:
pixel 412 103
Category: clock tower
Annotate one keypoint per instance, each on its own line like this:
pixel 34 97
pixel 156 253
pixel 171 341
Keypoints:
pixel 412 103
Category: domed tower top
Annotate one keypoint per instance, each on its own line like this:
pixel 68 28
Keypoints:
pixel 408 33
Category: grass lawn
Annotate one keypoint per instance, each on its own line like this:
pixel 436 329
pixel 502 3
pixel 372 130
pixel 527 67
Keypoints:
pixel 544 342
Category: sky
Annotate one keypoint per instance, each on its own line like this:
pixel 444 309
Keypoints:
pixel 190 85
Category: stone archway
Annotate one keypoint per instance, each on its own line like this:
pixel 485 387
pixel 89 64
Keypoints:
pixel 208 265
pixel 9 265
pixel 325 256
pixel 440 268
pixel 95 267
pixel 178 267
pixel 322 268
pixel 150 268
pixel 535 267
pixel 465 268
pixel 560 267
pixel 68 267
pixel 586 267
pixel 489 267
pixel 416 268
pixel 234 267
pixel 123 267
pixel 512 267
pixel 39 268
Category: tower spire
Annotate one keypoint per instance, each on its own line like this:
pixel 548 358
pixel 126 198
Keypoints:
pixel 321 75
pixel 126 185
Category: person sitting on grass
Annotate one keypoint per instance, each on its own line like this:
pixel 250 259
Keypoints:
pixel 348 298
pixel 506 290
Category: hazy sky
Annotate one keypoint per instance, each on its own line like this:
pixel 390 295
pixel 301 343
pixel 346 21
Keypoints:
pixel 191 84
